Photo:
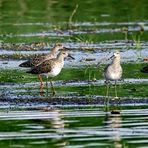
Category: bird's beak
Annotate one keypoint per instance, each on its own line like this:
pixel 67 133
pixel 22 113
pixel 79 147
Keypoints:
pixel 111 57
pixel 65 48
pixel 98 64
pixel 71 56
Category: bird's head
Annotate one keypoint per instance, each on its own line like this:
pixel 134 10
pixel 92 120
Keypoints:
pixel 64 53
pixel 58 46
pixel 115 55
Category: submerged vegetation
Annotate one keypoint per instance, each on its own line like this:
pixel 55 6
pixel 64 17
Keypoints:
pixel 71 17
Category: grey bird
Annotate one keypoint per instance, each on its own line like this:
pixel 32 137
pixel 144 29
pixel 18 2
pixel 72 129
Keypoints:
pixel 113 72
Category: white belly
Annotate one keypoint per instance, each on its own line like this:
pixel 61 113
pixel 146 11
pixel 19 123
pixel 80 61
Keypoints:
pixel 113 74
pixel 54 72
pixel 56 69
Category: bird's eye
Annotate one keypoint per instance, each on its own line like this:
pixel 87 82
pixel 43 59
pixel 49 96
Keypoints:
pixel 58 44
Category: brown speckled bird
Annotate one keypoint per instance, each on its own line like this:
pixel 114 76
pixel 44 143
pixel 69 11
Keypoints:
pixel 50 68
pixel 41 58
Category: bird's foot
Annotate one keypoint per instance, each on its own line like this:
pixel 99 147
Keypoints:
pixel 115 98
pixel 53 94
pixel 41 93
pixel 115 112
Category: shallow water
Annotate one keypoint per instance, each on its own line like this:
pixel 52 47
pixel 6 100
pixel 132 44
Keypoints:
pixel 82 58
pixel 83 127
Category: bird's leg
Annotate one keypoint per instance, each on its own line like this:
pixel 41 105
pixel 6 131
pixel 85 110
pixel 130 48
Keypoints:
pixel 40 79
pixel 116 96
pixel 107 92
pixel 53 90
pixel 107 96
pixel 41 85
pixel 41 90
pixel 107 87
pixel 47 84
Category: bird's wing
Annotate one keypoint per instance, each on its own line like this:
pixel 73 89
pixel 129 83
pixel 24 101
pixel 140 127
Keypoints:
pixel 25 64
pixel 106 68
pixel 44 67
pixel 37 59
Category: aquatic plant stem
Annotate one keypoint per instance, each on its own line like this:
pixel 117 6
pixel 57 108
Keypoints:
pixel 41 85
pixel 47 85
pixel 47 82
pixel 107 97
pixel 53 90
pixel 116 96
pixel 107 89
pixel 72 15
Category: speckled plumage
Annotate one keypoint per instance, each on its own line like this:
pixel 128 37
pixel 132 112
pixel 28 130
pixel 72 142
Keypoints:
pixel 41 58
pixel 50 68
pixel 47 67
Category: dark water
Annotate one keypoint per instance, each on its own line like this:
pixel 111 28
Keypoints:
pixel 79 115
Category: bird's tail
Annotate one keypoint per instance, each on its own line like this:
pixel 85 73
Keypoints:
pixel 29 71
pixel 33 70
pixel 25 64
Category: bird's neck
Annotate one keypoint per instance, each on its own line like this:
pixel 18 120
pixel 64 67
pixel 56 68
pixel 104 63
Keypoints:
pixel 53 51
pixel 52 54
pixel 60 58
pixel 116 61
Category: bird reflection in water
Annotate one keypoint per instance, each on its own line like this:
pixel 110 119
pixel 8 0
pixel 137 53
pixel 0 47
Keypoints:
pixel 113 123
pixel 56 125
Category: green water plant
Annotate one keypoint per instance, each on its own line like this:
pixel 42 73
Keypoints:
pixel 59 28
pixel 90 72
pixel 72 16
pixel 137 37
pixel 124 30
pixel 85 39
